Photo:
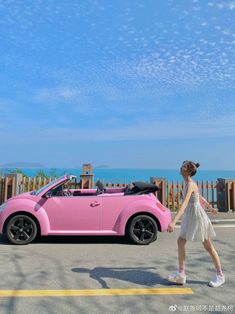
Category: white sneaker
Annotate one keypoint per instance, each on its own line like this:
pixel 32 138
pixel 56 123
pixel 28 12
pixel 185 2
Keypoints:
pixel 217 281
pixel 177 278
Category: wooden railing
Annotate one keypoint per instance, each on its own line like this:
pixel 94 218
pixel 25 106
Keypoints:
pixel 2 190
pixel 31 184
pixel 170 192
pixel 174 193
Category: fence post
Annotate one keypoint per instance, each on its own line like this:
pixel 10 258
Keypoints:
pixel 6 189
pixel 13 185
pixel 233 196
pixel 173 195
pixel 2 183
pixel 161 184
pixel 225 194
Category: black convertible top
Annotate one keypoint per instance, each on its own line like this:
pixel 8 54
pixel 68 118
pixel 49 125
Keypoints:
pixel 140 187
pixel 137 187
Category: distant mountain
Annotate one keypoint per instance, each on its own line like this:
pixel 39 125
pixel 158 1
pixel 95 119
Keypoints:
pixel 22 165
pixel 101 167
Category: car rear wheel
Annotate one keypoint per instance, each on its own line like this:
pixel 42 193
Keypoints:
pixel 21 229
pixel 142 229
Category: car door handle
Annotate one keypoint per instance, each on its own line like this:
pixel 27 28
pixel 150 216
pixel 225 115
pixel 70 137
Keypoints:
pixel 95 203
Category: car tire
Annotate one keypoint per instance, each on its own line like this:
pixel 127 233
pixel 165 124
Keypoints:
pixel 142 230
pixel 21 229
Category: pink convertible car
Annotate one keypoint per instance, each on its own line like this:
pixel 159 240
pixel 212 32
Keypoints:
pixel 56 209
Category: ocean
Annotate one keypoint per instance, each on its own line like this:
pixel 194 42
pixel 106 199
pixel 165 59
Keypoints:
pixel 129 175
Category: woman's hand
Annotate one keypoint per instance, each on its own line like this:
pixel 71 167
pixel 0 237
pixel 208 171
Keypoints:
pixel 171 227
pixel 214 211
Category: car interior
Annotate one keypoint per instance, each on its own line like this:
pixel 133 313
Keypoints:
pixel 135 188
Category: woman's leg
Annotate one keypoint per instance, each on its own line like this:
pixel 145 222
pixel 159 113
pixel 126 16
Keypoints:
pixel 212 251
pixel 181 255
pixel 179 277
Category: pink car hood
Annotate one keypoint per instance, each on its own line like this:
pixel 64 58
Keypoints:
pixel 22 195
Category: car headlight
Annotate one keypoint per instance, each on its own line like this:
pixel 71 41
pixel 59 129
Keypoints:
pixel 3 206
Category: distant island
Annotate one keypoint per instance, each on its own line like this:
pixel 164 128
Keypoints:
pixel 22 165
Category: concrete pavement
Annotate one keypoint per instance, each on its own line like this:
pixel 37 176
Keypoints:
pixel 83 263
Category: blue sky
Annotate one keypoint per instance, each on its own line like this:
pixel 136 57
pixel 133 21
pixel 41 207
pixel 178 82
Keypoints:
pixel 122 83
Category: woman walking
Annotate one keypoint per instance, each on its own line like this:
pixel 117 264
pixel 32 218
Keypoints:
pixel 195 225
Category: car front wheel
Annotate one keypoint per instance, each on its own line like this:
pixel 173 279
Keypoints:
pixel 142 229
pixel 21 229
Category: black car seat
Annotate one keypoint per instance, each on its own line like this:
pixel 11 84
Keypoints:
pixel 100 187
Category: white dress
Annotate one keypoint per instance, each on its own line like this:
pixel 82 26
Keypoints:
pixel 195 224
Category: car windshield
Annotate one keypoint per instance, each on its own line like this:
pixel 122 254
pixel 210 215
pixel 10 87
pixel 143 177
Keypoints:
pixel 47 186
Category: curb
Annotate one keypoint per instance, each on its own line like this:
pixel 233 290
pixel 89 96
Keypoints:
pixel 216 221
pixel 222 218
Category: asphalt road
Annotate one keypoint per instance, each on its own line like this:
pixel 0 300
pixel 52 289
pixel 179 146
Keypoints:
pixel 65 263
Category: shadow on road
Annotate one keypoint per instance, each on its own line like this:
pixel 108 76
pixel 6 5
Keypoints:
pixel 136 275
pixel 84 239
pixel 75 239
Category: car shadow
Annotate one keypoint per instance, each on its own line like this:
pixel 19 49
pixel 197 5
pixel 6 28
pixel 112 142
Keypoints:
pixel 75 239
pixel 135 275
pixel 84 239
pixel 3 240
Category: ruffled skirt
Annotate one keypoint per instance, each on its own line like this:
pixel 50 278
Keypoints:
pixel 196 225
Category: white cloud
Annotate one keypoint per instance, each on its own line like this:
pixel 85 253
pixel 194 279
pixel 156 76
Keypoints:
pixel 192 66
pixel 231 5
pixel 226 5
pixel 56 94
pixel 168 128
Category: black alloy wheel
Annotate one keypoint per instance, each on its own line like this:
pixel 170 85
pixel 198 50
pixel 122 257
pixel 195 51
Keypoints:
pixel 142 230
pixel 21 229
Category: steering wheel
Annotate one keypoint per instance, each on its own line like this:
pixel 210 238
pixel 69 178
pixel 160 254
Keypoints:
pixel 67 193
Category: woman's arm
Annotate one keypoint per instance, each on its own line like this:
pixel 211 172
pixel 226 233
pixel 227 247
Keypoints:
pixel 182 208
pixel 184 204
pixel 203 202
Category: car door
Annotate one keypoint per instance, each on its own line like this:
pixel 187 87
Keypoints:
pixel 68 214
pixel 112 205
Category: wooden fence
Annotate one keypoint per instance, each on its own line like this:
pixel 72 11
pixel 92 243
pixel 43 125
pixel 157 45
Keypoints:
pixel 174 193
pixel 169 193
